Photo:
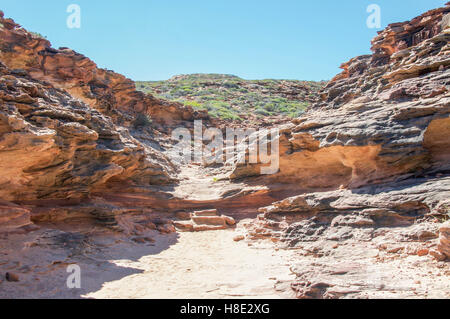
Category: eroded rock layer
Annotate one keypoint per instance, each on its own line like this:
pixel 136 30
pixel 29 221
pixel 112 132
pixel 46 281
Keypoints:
pixel 363 180
pixel 382 119
pixel 56 148
pixel 371 161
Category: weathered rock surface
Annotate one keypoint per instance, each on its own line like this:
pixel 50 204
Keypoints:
pixel 362 189
pixel 365 214
pixel 371 162
pixel 13 217
pixel 372 125
pixel 55 147
pixel 373 242
pixel 204 221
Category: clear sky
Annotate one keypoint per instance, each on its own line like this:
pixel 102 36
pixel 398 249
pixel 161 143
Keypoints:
pixel 254 39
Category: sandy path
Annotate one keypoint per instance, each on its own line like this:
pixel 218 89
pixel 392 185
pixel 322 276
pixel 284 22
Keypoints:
pixel 203 265
pixel 199 183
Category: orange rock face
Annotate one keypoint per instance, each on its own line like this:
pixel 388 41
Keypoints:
pixel 367 164
pixel 363 177
pixel 57 149
pixel 380 120
pixel 13 217
pixel 66 133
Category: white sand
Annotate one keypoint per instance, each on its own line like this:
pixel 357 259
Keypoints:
pixel 203 265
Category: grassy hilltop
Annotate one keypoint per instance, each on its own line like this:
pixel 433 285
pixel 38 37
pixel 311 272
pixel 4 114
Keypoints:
pixel 233 98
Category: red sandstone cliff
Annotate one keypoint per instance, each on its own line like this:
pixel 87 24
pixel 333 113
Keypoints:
pixel 363 179
pixel 371 160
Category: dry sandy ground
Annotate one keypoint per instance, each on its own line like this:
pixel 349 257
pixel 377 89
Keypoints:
pixel 208 265
pixel 185 265
pixel 203 265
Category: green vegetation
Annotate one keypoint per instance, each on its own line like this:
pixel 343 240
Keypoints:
pixel 38 35
pixel 232 98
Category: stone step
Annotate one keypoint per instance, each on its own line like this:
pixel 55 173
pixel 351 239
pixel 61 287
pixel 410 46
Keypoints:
pixel 205 223
pixel 229 220
pixel 198 228
pixel 208 212
pixel 209 220
pixel 184 225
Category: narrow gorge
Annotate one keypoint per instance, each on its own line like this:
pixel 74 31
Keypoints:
pixel 359 207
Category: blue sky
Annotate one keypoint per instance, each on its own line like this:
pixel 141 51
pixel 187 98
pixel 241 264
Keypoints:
pixel 254 39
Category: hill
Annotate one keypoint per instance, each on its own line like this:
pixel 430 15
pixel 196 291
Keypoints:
pixel 233 98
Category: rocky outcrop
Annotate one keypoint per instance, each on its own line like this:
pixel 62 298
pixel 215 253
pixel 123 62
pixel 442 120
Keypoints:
pixel 109 92
pixel 363 180
pixel 70 132
pixel 363 213
pixel 54 147
pixel 402 51
pixel 372 242
pixel 371 163
pixel 382 119
pixel 13 217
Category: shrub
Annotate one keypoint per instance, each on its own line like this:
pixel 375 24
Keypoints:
pixel 38 35
pixel 230 97
pixel 261 112
pixel 142 120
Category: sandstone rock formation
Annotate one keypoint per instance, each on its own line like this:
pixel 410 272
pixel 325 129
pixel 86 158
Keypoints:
pixel 57 148
pixel 362 189
pixel 371 160
pixel 363 213
pixel 382 119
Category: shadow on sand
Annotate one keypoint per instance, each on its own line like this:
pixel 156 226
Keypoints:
pixel 43 267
